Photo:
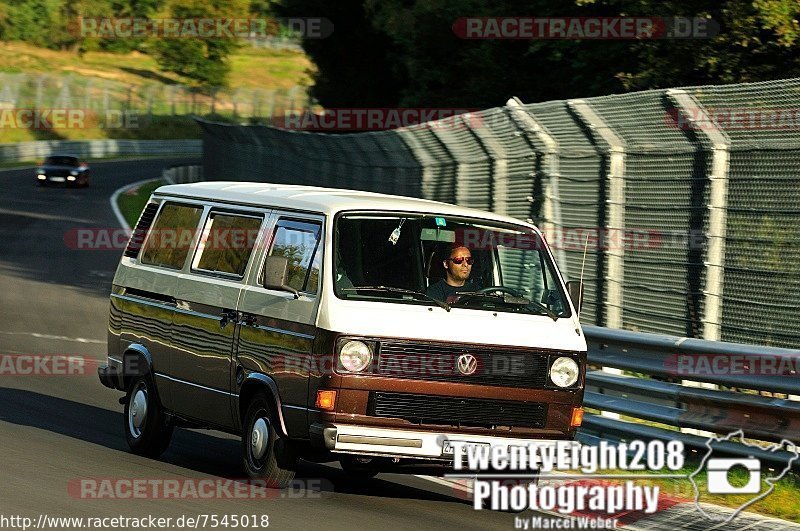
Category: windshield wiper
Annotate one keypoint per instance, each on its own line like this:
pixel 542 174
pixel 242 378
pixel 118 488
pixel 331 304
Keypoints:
pixel 399 290
pixel 509 299
pixel 539 306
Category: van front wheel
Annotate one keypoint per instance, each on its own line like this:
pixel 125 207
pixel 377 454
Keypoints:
pixel 146 428
pixel 265 453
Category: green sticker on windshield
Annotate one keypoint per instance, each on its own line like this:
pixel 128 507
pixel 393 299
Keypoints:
pixel 440 222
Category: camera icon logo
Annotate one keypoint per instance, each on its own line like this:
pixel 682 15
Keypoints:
pixel 741 475
pixel 719 479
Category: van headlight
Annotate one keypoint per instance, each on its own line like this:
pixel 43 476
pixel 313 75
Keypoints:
pixel 73 172
pixel 564 372
pixel 354 356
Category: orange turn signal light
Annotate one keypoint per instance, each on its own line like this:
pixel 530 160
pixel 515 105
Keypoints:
pixel 326 400
pixel 577 417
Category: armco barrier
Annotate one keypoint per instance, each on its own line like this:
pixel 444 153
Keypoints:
pixel 182 174
pixel 656 395
pixel 31 151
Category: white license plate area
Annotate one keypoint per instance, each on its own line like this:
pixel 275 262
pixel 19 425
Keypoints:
pixel 447 448
pixel 58 179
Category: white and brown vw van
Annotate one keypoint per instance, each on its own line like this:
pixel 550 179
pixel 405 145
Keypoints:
pixel 338 324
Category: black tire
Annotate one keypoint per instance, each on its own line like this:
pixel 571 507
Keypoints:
pixel 277 462
pixel 152 437
pixel 359 467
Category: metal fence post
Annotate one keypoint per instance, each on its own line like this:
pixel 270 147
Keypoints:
pixel 717 220
pixel 495 152
pixel 425 160
pixel 717 209
pixel 552 197
pixel 615 275
pixel 615 252
pixel 494 149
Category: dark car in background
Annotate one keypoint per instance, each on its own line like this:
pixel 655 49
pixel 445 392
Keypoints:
pixel 66 169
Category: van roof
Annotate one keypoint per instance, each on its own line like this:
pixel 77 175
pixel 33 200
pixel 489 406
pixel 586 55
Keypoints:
pixel 316 199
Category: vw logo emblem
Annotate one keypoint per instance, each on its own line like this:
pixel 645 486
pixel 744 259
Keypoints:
pixel 467 364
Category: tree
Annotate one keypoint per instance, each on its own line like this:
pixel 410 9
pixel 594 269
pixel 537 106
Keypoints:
pixel 354 68
pixel 201 59
pixel 405 52
pixel 134 9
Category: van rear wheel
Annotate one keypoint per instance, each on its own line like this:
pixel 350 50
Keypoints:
pixel 266 454
pixel 146 428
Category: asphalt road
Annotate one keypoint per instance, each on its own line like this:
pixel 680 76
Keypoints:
pixel 56 430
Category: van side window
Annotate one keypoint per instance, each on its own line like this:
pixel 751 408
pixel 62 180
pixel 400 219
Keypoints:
pixel 171 235
pixel 298 242
pixel 227 243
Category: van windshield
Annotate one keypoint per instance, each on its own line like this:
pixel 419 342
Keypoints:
pixel 461 262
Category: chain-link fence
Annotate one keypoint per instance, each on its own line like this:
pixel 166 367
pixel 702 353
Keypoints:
pixel 152 97
pixel 688 200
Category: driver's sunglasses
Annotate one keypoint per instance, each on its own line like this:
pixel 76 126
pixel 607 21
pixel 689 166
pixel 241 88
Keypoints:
pixel 457 260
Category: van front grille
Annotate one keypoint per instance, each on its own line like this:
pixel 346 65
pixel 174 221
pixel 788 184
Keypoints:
pixel 453 411
pixel 496 366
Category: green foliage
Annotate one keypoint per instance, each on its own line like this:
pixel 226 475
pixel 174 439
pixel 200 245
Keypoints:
pixel 203 60
pixel 55 24
pixel 31 21
pixel 407 52
pixel 261 8
pixel 353 64
pixel 781 16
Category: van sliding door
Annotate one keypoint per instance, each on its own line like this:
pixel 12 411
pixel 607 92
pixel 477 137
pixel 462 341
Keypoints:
pixel 205 320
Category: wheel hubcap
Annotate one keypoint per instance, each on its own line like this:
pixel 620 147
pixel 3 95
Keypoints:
pixel 137 411
pixel 259 436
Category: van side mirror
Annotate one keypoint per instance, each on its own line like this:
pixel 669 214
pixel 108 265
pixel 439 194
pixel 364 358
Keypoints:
pixel 575 291
pixel 276 273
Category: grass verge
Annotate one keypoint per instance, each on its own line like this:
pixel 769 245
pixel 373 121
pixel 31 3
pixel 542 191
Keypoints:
pixel 783 502
pixel 132 202
pixel 102 84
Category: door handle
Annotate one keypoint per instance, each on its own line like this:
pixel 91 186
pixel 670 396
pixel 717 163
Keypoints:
pixel 226 316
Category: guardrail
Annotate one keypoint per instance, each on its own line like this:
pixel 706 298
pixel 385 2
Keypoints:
pixel 25 151
pixel 182 174
pixel 666 390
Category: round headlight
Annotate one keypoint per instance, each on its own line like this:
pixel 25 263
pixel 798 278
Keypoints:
pixel 564 372
pixel 355 356
pixel 73 172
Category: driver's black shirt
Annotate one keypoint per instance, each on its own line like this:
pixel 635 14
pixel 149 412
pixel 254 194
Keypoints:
pixel 442 290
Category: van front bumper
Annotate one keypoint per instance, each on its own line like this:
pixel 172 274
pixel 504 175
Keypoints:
pixel 111 376
pixel 350 439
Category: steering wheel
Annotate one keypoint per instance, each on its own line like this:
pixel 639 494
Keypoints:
pixel 490 289
pixel 499 289
pixel 503 289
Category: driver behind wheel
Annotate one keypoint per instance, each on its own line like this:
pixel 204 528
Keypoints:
pixel 458 267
